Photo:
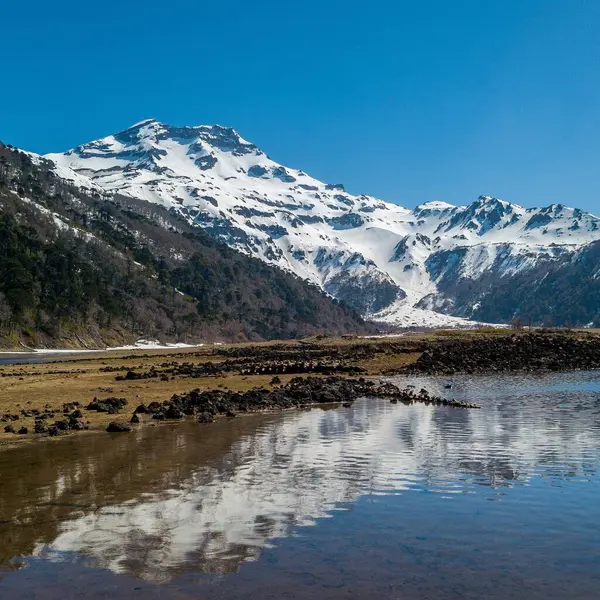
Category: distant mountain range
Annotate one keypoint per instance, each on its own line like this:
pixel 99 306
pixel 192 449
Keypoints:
pixel 435 265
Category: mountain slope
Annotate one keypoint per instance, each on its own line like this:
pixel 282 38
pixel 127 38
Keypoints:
pixel 564 290
pixel 80 265
pixel 388 262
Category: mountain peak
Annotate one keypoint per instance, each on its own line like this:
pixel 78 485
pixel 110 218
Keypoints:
pixel 434 205
pixel 156 125
pixel 218 137
pixel 492 201
pixel 141 124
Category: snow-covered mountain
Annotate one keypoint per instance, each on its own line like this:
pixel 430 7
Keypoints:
pixel 389 262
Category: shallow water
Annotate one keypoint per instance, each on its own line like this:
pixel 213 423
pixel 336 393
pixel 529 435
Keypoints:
pixel 30 359
pixel 373 501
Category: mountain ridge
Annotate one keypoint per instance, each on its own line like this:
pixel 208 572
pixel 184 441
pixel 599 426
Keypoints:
pixel 388 262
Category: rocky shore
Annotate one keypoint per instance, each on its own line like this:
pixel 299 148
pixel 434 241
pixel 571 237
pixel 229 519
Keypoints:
pixel 299 393
pixel 208 405
pixel 518 352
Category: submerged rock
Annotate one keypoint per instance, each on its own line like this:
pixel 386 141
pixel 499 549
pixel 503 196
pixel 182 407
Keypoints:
pixel 205 417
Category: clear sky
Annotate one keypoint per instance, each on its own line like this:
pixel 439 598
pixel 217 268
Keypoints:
pixel 406 100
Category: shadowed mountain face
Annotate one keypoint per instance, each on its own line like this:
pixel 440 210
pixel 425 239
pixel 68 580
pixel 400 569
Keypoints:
pixel 186 498
pixel 79 265
pixel 388 262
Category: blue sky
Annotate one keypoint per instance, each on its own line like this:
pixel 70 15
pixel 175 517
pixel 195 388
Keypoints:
pixel 409 101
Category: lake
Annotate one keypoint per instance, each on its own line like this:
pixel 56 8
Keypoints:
pixel 372 501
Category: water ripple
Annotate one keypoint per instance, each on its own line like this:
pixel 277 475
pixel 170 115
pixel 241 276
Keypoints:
pixel 231 497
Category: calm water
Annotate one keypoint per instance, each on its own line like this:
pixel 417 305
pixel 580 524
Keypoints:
pixel 373 501
pixel 29 359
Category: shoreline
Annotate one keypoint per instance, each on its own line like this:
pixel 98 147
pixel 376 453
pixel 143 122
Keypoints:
pixel 137 346
pixel 146 376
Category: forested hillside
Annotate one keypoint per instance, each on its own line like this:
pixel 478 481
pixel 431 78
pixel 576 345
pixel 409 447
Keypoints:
pixel 79 266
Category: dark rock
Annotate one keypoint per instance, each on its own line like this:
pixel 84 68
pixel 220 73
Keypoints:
pixel 23 431
pixel 108 405
pixel 9 429
pixel 205 417
pixel 135 418
pixel 129 376
pixel 118 427
pixel 9 417
pixel 40 426
pixel 174 413
pixel 536 351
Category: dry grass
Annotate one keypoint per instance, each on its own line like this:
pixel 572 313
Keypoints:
pixel 382 363
pixel 27 387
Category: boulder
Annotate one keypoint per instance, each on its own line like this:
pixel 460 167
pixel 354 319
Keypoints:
pixel 118 427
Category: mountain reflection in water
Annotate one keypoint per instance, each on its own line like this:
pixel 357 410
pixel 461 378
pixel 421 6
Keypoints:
pixel 182 498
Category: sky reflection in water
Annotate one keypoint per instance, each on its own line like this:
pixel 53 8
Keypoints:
pixel 421 500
